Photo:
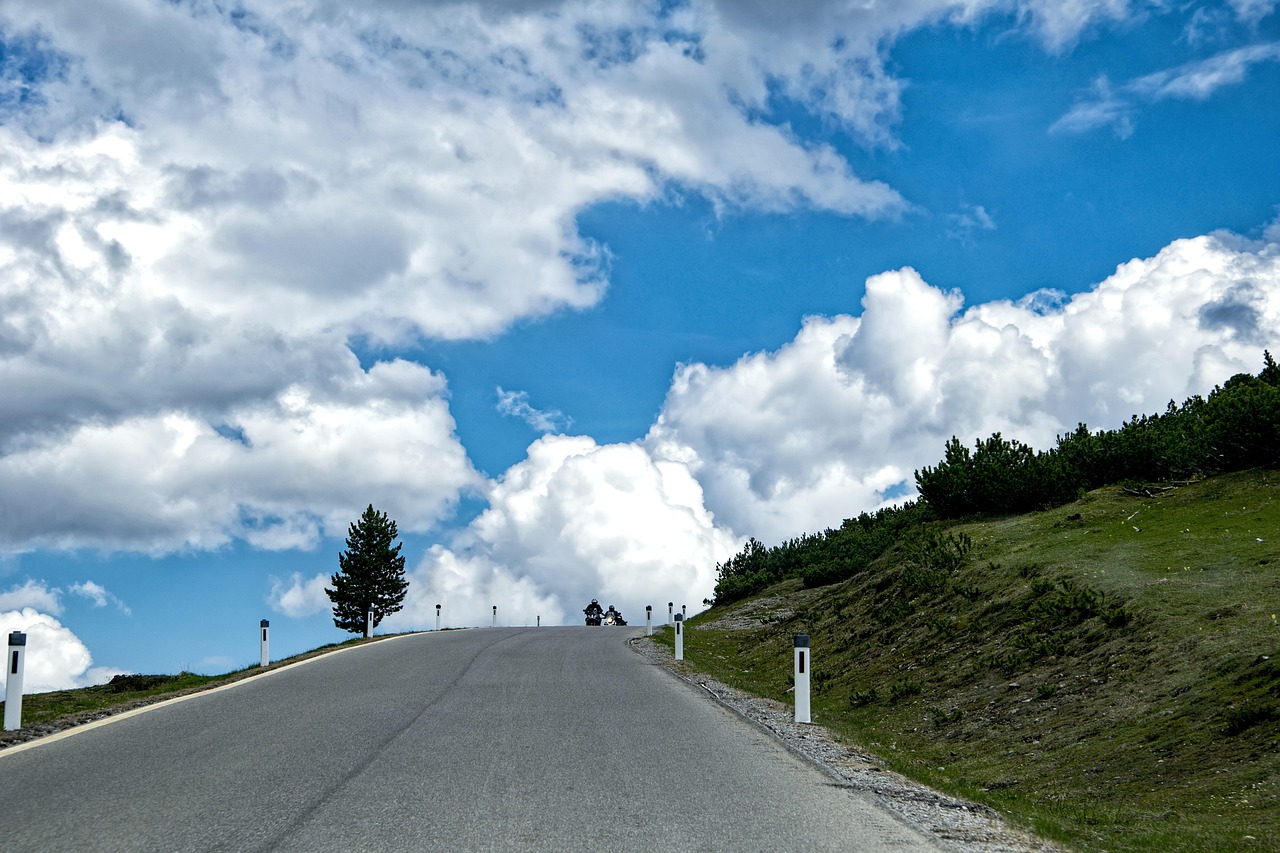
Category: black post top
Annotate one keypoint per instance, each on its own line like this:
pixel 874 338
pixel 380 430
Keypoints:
pixel 265 624
pixel 648 607
pixel 802 641
pixel 437 607
pixel 17 638
pixel 679 618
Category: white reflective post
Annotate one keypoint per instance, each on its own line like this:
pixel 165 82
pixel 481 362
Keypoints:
pixel 368 622
pixel 804 663
pixel 679 637
pixel 13 681
pixel 437 617
pixel 684 610
pixel 266 645
pixel 671 608
pixel 648 620
pixel 539 622
pixel 495 617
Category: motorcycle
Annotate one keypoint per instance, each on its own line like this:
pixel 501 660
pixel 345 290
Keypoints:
pixel 597 616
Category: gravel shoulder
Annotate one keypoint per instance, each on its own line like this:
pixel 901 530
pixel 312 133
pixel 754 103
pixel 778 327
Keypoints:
pixel 957 825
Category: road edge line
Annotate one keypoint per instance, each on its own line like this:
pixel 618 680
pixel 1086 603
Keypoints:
pixel 133 712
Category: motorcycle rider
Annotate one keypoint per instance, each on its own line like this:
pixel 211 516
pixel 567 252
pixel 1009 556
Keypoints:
pixel 594 612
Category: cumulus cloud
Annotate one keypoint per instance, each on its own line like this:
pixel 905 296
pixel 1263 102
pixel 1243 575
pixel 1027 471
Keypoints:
pixel 300 596
pixel 279 474
pixel 55 658
pixel 193 235
pixel 32 594
pixel 837 420
pixel 430 161
pixel 575 521
pixel 203 209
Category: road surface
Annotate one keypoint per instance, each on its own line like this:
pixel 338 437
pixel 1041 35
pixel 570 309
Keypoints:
pixel 486 739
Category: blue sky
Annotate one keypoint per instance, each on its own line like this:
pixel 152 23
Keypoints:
pixel 582 294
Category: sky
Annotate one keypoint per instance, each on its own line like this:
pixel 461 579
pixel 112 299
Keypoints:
pixel 582 294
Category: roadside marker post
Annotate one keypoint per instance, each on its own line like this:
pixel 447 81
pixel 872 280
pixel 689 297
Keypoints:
pixel 648 620
pixel 671 608
pixel 539 625
pixel 437 617
pixel 495 617
pixel 13 681
pixel 804 663
pixel 679 637
pixel 266 644
pixel 368 621
pixel 684 610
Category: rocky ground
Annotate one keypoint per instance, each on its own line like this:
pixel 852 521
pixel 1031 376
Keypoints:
pixel 957 825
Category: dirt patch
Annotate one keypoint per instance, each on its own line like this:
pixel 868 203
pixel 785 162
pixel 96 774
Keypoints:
pixel 763 611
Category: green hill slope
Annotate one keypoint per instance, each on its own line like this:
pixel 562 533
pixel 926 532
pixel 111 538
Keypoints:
pixel 1106 672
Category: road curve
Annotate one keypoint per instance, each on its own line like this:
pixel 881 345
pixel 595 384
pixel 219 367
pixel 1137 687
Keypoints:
pixel 488 739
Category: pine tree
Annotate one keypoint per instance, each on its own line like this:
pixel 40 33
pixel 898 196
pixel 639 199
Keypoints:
pixel 370 573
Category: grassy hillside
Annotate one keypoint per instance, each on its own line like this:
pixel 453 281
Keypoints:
pixel 1107 672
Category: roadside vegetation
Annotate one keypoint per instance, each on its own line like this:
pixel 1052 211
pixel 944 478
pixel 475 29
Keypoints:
pixel 1236 427
pixel 1102 668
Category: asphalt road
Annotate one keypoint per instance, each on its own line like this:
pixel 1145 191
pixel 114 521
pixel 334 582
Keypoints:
pixel 488 739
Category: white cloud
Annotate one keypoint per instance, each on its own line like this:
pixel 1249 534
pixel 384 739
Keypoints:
pixel 971 218
pixel 467 587
pixel 575 521
pixel 99 595
pixel 430 162
pixel 1059 23
pixel 55 658
pixel 836 422
pixel 1253 11
pixel 831 55
pixel 280 474
pixel 516 404
pixel 32 594
pixel 794 440
pixel 1199 80
pixel 1102 107
pixel 1105 106
pixel 300 596
pixel 193 235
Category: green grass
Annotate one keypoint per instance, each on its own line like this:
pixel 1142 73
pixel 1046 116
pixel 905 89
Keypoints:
pixel 55 708
pixel 1109 687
